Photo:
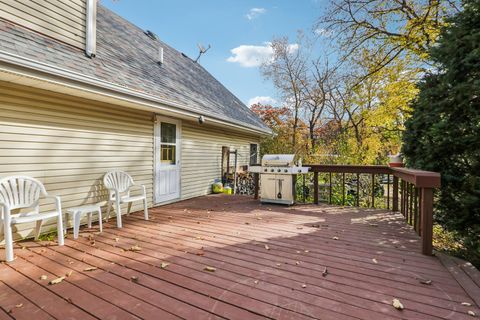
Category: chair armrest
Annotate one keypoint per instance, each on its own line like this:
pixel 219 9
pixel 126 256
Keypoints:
pixel 138 186
pixel 4 211
pixel 58 202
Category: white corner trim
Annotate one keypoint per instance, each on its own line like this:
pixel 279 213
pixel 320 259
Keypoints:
pixel 91 28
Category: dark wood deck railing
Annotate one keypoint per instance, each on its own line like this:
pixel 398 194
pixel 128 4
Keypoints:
pixel 409 192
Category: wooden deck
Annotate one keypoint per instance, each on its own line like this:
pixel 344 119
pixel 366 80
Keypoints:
pixel 270 263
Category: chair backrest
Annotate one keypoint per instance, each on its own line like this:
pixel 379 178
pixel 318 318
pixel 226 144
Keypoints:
pixel 118 180
pixel 21 192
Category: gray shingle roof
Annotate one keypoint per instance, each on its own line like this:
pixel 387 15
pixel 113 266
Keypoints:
pixel 127 56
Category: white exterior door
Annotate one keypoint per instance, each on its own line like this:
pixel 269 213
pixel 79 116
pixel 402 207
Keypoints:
pixel 167 159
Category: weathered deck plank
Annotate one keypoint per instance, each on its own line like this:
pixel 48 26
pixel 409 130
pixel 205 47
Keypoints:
pixel 269 263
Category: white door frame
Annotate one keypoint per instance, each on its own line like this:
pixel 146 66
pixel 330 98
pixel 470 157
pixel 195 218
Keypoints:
pixel 157 199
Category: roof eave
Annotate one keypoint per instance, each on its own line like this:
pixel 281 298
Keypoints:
pixel 23 66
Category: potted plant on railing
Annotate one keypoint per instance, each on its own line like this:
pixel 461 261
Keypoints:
pixel 395 160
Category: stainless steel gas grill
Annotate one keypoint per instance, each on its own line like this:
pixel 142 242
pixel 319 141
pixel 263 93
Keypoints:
pixel 277 178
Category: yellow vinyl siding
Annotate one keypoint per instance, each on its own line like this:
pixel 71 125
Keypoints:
pixel 69 143
pixel 60 19
pixel 201 156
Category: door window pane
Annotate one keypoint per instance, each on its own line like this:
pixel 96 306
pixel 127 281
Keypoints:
pixel 253 154
pixel 167 154
pixel 168 132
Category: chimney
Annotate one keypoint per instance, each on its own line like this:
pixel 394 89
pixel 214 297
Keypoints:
pixel 91 26
pixel 160 55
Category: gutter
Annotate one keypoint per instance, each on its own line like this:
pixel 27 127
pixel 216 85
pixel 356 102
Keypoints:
pixel 114 91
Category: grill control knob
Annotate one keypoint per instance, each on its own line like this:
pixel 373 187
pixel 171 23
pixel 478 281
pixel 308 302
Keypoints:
pixel 279 170
pixel 286 170
pixel 299 170
pixel 273 170
pixel 265 170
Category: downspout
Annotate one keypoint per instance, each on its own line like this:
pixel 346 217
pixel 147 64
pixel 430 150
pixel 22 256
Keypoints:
pixel 91 29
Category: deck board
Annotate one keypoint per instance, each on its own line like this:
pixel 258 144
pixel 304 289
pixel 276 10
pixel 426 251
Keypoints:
pixel 269 264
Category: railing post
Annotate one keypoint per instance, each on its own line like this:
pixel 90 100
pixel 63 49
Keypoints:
pixel 256 181
pixel 395 194
pixel 426 211
pixel 315 187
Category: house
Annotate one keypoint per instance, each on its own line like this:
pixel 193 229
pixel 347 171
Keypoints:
pixel 83 91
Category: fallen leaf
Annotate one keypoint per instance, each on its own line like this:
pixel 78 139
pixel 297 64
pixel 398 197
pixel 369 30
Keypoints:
pixel 325 272
pixel 69 273
pixel 24 248
pixel 19 305
pixel 470 312
pixel 210 269
pixel 56 281
pixel 164 265
pixel 397 304
pixel 43 277
pixel 374 260
pixel 117 239
pixel 299 228
pixel 467 304
pixel 90 269
pixel 315 226
pixel 279 264
pixel 297 251
pixel 256 281
pixel 69 300
pixel 306 251
pixel 267 247
pixel 373 225
pixel 425 281
pixel 297 262
pixel 135 248
pixel 335 238
pixel 247 223
pixel 134 278
pixel 200 253
pixel 304 285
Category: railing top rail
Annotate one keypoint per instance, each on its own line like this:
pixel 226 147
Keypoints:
pixel 348 168
pixel 419 178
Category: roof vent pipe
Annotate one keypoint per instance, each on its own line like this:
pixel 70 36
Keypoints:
pixel 160 55
pixel 91 29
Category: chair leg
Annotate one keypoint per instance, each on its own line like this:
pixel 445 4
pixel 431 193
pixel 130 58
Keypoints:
pixel 89 220
pixel 129 208
pixel 60 235
pixel 38 228
pixel 119 214
pixel 76 224
pixel 8 241
pixel 109 207
pixel 145 209
pixel 100 219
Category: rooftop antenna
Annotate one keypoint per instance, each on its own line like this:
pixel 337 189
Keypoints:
pixel 202 51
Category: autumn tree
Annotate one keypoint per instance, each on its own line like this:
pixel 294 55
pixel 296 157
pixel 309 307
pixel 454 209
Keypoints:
pixel 287 70
pixel 388 29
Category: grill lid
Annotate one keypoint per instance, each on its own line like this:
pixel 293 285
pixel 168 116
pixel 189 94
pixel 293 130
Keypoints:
pixel 284 160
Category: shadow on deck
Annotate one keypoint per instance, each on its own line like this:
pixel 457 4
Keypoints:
pixel 301 262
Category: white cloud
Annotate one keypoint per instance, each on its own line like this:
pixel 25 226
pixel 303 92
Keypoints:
pixel 253 56
pixel 255 12
pixel 323 32
pixel 262 100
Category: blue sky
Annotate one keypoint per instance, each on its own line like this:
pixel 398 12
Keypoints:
pixel 225 24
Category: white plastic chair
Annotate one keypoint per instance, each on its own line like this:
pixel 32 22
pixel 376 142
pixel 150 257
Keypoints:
pixel 118 183
pixel 21 192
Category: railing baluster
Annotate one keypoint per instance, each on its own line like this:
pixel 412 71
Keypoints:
pixel 330 189
pixel 304 188
pixel 388 191
pixel 373 190
pixel 343 189
pixel 427 220
pixel 395 194
pixel 358 189
pixel 411 204
pixel 315 187
pixel 415 209
pixel 402 200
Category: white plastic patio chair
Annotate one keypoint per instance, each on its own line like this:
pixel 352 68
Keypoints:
pixel 118 183
pixel 21 192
